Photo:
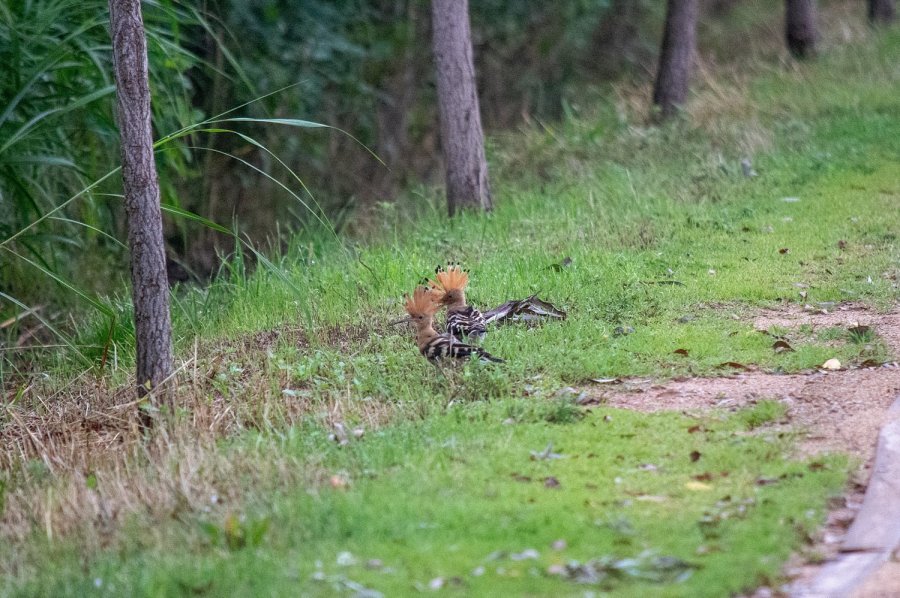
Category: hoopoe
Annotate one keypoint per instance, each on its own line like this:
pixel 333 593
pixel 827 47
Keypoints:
pixel 421 308
pixel 463 320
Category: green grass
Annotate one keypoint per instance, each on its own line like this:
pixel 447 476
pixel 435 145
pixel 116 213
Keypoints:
pixel 631 223
pixel 432 489
pixel 462 491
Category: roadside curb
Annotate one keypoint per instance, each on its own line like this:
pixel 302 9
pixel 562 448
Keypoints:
pixel 875 533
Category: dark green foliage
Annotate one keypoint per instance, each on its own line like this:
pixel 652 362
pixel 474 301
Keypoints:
pixel 59 138
pixel 356 64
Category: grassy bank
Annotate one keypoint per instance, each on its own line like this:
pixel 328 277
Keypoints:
pixel 493 499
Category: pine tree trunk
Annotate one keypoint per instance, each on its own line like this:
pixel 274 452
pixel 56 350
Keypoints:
pixel 882 12
pixel 150 289
pixel 676 58
pixel 462 138
pixel 800 27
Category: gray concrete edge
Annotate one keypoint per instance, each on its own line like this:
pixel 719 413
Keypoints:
pixel 875 533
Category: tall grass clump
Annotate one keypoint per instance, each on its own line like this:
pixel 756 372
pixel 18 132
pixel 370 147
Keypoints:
pixel 58 203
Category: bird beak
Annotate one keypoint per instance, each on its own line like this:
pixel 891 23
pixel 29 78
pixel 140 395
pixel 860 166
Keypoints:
pixel 400 321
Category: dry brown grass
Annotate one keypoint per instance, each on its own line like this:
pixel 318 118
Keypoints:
pixel 77 463
pixel 721 102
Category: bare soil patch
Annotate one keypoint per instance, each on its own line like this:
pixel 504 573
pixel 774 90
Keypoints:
pixel 833 410
pixel 837 410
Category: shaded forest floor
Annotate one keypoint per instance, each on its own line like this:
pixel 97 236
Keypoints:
pixel 312 450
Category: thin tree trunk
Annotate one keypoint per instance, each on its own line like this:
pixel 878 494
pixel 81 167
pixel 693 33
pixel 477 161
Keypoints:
pixel 882 12
pixel 462 138
pixel 800 27
pixel 677 56
pixel 150 289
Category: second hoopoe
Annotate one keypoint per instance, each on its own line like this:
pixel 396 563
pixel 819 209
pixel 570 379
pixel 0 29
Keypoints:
pixel 463 320
pixel 436 347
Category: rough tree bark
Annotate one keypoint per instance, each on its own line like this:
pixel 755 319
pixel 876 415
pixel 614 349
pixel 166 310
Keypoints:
pixel 800 27
pixel 462 138
pixel 150 289
pixel 676 57
pixel 881 12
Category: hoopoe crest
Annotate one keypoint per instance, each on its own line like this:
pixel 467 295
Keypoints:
pixel 450 289
pixel 421 307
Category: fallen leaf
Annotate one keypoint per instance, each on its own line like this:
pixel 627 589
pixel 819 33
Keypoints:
pixel 339 482
pixel 529 554
pixel 546 454
pixel 345 559
pixel 694 429
pixel 339 435
pixel 520 478
pixel 682 352
pixel 646 566
pixel 697 486
pixel 734 365
pixel 831 364
pixel 606 380
pixel 695 456
pixel 747 168
pixel 551 482
pixel 782 347
pixel 651 498
pixel 783 250
pixel 703 477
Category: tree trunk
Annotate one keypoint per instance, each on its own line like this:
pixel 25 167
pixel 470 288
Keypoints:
pixel 800 27
pixel 462 138
pixel 881 12
pixel 150 289
pixel 676 58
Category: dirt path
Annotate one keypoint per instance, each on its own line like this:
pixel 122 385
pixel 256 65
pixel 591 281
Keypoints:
pixel 835 410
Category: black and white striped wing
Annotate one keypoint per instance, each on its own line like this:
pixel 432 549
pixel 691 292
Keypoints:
pixel 445 346
pixel 466 322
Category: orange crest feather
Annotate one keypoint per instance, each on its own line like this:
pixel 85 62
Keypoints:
pixel 422 302
pixel 451 279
